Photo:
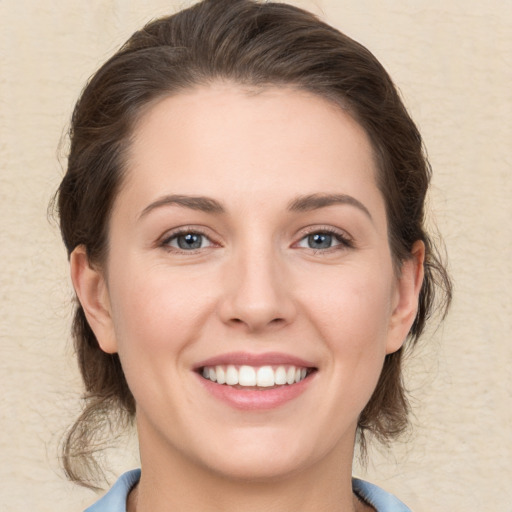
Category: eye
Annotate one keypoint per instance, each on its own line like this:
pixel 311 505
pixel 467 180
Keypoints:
pixel 187 241
pixel 321 240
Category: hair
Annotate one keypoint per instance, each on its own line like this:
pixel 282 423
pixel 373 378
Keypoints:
pixel 258 45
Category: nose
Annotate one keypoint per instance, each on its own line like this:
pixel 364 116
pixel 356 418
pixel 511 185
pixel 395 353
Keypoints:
pixel 257 295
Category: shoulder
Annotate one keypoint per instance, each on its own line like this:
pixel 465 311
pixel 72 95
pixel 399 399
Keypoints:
pixel 115 499
pixel 379 499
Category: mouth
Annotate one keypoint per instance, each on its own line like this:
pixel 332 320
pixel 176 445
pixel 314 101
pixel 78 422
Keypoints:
pixel 256 377
pixel 256 382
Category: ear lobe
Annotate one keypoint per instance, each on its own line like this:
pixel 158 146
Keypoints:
pixel 91 290
pixel 407 294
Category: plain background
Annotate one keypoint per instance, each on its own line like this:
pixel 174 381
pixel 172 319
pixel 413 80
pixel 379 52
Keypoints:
pixel 452 61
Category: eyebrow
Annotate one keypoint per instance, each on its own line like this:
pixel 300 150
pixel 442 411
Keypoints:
pixel 200 203
pixel 316 201
pixel 300 204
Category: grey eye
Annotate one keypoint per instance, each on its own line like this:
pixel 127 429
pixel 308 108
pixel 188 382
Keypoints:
pixel 189 241
pixel 320 241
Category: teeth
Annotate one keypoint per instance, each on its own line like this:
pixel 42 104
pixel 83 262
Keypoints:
pixel 246 376
pixel 280 376
pixel 265 377
pixel 249 376
pixel 221 374
pixel 231 375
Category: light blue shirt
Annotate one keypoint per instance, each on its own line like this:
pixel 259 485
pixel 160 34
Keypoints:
pixel 115 499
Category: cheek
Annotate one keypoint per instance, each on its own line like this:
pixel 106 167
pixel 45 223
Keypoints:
pixel 352 307
pixel 159 311
pixel 352 321
pixel 154 320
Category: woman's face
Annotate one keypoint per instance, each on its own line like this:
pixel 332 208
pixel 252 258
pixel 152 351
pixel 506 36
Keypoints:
pixel 249 242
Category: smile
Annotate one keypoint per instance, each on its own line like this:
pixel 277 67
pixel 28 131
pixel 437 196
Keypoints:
pixel 255 376
pixel 256 382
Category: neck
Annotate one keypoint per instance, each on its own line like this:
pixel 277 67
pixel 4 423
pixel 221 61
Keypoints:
pixel 173 482
pixel 247 496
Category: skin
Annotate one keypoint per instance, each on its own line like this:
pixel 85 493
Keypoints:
pixel 256 285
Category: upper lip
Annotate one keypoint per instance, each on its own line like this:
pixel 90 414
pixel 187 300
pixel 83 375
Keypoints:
pixel 246 358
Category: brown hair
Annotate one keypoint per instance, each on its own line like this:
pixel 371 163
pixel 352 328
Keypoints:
pixel 254 44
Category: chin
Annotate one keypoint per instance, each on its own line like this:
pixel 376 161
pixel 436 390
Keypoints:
pixel 258 469
pixel 263 458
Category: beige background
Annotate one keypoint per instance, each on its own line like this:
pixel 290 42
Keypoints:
pixel 452 61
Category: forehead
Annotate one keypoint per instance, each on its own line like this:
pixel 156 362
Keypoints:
pixel 272 142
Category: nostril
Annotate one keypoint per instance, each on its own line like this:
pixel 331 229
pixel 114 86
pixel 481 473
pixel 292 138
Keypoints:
pixel 276 322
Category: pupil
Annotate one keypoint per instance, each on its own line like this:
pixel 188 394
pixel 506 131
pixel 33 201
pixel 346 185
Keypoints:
pixel 190 241
pixel 320 241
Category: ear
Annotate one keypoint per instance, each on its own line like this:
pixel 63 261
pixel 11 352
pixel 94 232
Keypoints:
pixel 92 292
pixel 405 304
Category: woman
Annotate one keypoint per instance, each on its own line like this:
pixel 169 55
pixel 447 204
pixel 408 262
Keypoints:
pixel 243 210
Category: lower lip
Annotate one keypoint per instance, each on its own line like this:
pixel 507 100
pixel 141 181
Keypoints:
pixel 255 400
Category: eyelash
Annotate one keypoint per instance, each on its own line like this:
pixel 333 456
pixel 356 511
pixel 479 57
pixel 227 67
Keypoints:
pixel 166 241
pixel 344 241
